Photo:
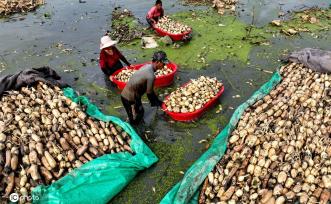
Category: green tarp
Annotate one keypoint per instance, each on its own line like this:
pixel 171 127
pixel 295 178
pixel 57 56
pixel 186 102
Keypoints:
pixel 187 190
pixel 99 180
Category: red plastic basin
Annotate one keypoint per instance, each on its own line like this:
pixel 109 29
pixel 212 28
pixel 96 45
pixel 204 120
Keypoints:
pixel 196 114
pixel 174 37
pixel 161 81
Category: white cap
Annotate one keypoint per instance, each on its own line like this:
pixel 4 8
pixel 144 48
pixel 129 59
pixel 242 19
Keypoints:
pixel 106 41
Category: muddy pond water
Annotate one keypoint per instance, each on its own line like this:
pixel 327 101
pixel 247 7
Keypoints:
pixel 65 35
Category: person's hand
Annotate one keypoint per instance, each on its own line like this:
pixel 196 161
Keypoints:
pixel 154 104
pixel 159 103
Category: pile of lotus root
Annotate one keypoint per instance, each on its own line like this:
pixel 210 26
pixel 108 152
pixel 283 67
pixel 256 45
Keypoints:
pixel 223 5
pixel 171 26
pixel 13 6
pixel 280 152
pixel 194 95
pixel 126 74
pixel 44 135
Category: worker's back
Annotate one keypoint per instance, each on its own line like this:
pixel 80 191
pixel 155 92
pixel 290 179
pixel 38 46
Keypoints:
pixel 140 82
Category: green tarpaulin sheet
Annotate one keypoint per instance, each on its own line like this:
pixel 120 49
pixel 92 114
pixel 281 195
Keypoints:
pixel 187 190
pixel 99 180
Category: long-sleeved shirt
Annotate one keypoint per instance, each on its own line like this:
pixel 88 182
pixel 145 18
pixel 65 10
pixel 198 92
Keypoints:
pixel 108 61
pixel 141 82
pixel 155 13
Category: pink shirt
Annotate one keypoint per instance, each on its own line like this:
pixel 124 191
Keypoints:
pixel 154 12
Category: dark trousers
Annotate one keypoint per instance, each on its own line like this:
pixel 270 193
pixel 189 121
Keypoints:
pixel 150 22
pixel 134 110
pixel 110 70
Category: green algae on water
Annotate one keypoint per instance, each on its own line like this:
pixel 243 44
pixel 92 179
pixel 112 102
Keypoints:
pixel 162 176
pixel 125 27
pixel 215 122
pixel 128 20
pixel 215 37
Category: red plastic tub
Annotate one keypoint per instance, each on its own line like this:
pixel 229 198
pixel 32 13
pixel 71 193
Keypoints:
pixel 196 114
pixel 174 37
pixel 160 81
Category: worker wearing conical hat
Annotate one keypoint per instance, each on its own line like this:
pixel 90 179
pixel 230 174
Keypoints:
pixel 110 56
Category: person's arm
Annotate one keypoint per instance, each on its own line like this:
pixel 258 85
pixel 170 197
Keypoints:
pixel 150 85
pixel 102 61
pixel 162 13
pixel 152 97
pixel 122 57
pixel 150 14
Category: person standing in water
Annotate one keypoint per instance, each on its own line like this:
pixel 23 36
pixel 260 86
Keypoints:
pixel 155 13
pixel 141 82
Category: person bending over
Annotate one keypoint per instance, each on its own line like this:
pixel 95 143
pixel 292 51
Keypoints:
pixel 141 82
pixel 155 13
